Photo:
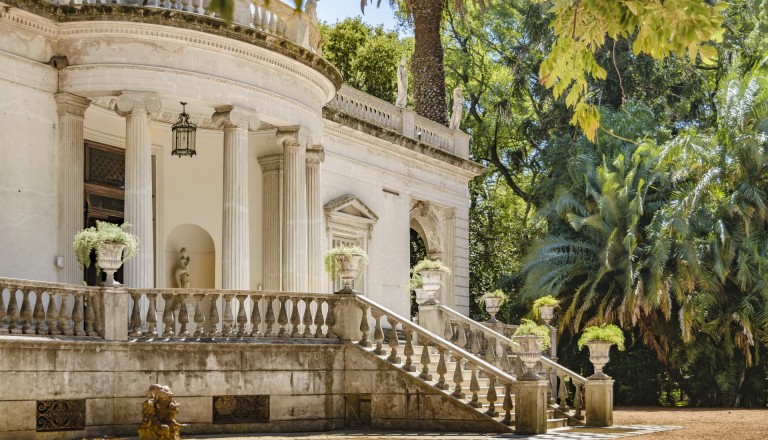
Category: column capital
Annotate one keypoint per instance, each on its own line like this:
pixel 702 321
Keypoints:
pixel 69 104
pixel 315 155
pixel 271 163
pixel 235 117
pixel 129 102
pixel 292 136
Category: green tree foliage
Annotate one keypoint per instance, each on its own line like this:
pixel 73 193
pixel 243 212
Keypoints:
pixel 366 56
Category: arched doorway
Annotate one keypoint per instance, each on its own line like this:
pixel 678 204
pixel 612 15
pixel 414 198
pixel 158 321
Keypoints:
pixel 418 251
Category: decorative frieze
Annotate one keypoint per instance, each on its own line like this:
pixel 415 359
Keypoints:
pixel 240 409
pixel 60 415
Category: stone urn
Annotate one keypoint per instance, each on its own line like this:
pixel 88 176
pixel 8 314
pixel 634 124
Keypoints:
pixel 599 356
pixel 529 352
pixel 349 265
pixel 110 258
pixel 547 313
pixel 430 283
pixel 492 306
pixel 421 296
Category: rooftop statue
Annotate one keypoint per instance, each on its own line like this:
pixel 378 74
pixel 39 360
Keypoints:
pixel 402 84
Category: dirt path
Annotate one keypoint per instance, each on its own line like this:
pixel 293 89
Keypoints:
pixel 700 424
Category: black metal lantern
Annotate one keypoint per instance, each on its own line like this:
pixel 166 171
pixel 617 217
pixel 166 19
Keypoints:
pixel 184 134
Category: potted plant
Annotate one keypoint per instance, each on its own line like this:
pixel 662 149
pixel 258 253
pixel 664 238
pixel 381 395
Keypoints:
pixel 599 340
pixel 112 244
pixel 544 308
pixel 416 285
pixel 345 261
pixel 431 272
pixel 531 339
pixel 493 302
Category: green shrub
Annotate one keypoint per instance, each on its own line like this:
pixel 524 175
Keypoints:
pixel 605 332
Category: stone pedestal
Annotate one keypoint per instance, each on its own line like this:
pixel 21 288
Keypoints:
pixel 531 407
pixel 114 310
pixel 431 318
pixel 348 315
pixel 599 402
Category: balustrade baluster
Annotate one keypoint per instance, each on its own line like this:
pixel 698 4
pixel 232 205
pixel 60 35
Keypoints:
pixel 319 320
pixel 448 330
pixel 577 402
pixel 199 316
pixel 227 319
pixel 441 370
pixel 26 313
pixel 282 318
pixel 467 330
pixel 507 405
pixel 65 315
pixel 213 317
pixel 255 317
pixel 458 379
pixel 135 328
pixel 77 314
pixel 152 315
pixel 474 387
pixel 242 319
pixel 491 397
pixel 90 314
pixel 3 330
pixel 13 313
pixel 269 318
pixel 295 318
pixel 474 342
pixel 562 393
pixel 393 342
pixel 378 333
pixel 306 321
pixel 425 359
pixel 169 321
pixel 183 316
pixel 256 18
pixel 364 327
pixel 330 321
pixel 408 350
pixel 272 23
pixel 461 339
pixel 38 314
pixel 264 19
pixel 51 315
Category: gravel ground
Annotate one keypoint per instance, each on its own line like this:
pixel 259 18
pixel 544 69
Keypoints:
pixel 699 424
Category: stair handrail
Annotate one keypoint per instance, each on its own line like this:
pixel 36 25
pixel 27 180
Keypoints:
pixel 481 364
pixel 575 377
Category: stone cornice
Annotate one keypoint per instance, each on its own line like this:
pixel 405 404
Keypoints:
pixel 383 138
pixel 179 19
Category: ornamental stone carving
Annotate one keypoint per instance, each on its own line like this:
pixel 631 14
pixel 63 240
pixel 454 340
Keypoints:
pixel 158 415
pixel 130 102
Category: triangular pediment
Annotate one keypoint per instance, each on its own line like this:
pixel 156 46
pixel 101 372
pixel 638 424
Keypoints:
pixel 351 206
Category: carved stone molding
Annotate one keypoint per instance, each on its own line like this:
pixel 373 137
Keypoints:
pixel 427 219
pixel 235 117
pixel 349 212
pixel 271 163
pixel 315 155
pixel 69 104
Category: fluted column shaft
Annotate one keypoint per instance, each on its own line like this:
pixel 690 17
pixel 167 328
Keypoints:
pixel 272 219
pixel 314 220
pixel 71 110
pixel 294 216
pixel 235 227
pixel 136 107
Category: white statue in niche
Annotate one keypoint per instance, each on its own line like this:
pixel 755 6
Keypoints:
pixel 183 279
pixel 458 108
pixel 402 84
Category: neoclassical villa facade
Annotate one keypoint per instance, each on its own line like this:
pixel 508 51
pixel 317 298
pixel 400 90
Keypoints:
pixel 289 163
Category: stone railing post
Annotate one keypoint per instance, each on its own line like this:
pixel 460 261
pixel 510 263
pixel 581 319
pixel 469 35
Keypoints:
pixel 531 407
pixel 599 402
pixel 431 318
pixel 347 315
pixel 409 123
pixel 114 313
pixel 461 144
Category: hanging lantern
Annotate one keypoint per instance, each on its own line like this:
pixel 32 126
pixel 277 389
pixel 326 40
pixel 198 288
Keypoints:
pixel 184 133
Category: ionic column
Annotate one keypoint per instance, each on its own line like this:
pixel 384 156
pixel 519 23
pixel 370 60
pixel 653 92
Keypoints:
pixel 137 108
pixel 314 220
pixel 71 109
pixel 272 221
pixel 294 213
pixel 235 237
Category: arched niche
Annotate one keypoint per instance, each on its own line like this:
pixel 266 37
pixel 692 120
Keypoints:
pixel 426 221
pixel 202 256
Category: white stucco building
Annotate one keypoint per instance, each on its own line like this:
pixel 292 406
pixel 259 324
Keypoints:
pixel 289 161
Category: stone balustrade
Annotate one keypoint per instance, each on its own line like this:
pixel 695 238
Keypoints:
pixel 402 121
pixel 461 383
pixel 40 308
pixel 208 313
pixel 276 18
pixel 494 345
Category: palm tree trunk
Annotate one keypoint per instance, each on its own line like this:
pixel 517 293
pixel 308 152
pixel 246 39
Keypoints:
pixel 427 60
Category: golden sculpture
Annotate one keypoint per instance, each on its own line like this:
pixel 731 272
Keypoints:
pixel 158 415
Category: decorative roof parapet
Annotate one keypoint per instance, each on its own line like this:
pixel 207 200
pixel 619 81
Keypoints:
pixel 269 28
